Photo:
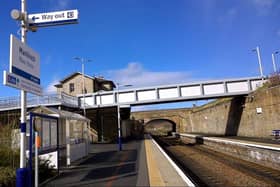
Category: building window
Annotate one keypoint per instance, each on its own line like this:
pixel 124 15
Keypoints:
pixel 71 87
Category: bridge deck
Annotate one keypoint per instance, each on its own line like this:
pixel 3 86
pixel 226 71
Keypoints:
pixel 143 96
pixel 172 93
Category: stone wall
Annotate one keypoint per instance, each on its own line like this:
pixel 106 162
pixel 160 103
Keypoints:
pixel 230 116
pixel 253 116
pixel 78 85
pixel 179 116
pixel 219 118
pixel 261 124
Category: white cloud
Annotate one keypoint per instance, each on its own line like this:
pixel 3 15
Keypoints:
pixel 48 59
pixel 136 75
pixel 278 33
pixel 50 88
pixel 60 5
pixel 232 12
pixel 264 3
pixel 229 16
pixel 263 6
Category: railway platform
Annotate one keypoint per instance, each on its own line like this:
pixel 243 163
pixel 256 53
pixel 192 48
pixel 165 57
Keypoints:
pixel 140 163
pixel 265 152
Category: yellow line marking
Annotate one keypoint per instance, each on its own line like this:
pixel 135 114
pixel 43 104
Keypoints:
pixel 154 173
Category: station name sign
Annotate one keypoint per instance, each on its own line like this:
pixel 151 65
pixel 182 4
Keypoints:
pixel 24 61
pixel 24 71
pixel 53 18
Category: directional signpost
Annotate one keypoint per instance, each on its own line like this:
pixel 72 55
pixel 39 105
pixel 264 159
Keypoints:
pixel 53 18
pixel 24 71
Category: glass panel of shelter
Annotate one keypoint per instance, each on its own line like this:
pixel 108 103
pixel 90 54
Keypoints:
pixel 47 131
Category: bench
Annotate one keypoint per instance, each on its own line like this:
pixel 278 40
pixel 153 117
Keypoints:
pixel 276 134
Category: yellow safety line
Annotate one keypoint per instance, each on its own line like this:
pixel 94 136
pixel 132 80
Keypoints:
pixel 154 173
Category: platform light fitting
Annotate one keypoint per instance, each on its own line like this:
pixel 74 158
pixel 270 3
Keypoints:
pixel 17 15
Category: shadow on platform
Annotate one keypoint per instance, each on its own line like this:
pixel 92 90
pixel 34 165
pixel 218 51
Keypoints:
pixel 105 168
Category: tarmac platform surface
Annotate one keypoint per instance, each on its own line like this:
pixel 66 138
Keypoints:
pixel 140 163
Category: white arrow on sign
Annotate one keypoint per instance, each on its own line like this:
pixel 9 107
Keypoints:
pixel 53 18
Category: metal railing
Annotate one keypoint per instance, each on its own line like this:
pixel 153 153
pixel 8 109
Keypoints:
pixel 173 93
pixel 7 103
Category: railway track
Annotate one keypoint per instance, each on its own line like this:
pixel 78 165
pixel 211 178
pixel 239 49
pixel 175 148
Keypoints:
pixel 210 168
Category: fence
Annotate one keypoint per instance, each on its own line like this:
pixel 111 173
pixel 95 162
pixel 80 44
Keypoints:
pixel 51 99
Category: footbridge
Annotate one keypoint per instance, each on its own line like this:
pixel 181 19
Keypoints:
pixel 143 96
pixel 172 93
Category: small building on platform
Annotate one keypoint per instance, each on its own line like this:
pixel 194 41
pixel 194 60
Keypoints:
pixel 73 84
pixel 69 138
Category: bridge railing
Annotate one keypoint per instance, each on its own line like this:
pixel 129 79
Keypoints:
pixel 173 93
pixel 148 95
pixel 69 100
pixel 9 102
pixel 50 99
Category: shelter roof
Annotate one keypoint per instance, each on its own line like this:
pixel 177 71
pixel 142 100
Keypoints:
pixel 60 113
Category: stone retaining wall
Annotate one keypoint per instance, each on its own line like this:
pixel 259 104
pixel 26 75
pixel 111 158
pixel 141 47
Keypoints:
pixel 253 116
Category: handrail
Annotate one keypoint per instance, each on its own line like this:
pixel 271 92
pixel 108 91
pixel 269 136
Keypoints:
pixel 49 99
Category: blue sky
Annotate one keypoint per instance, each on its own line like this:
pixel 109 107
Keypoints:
pixel 150 42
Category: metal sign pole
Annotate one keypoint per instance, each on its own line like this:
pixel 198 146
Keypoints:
pixel 23 96
pixel 22 173
pixel 63 17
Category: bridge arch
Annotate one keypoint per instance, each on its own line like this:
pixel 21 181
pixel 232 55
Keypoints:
pixel 160 126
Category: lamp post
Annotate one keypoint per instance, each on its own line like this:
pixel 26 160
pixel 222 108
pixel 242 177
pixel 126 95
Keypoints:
pixel 83 60
pixel 119 115
pixel 101 120
pixel 273 60
pixel 257 50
